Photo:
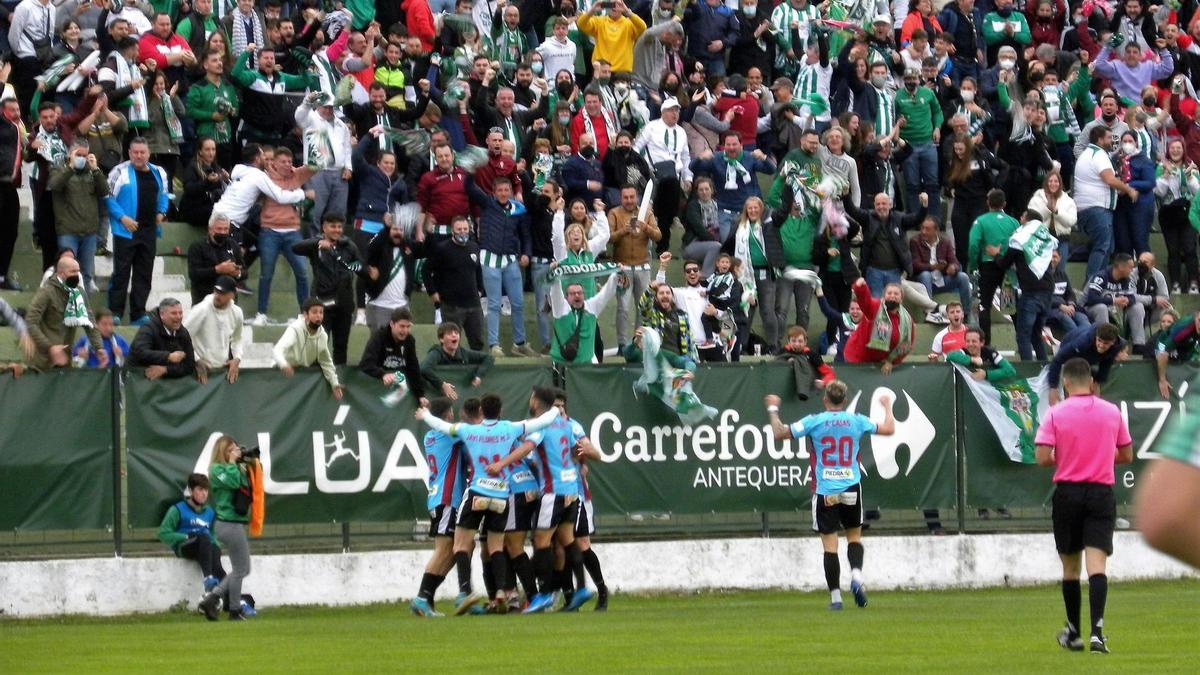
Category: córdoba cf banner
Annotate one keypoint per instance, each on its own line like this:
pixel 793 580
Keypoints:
pixel 1013 408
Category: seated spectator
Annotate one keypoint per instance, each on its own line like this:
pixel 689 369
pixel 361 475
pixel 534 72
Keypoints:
pixel 57 309
pixel 163 347
pixel 936 265
pixel 1065 311
pixel 1150 290
pixel 810 369
pixel 304 343
pixel 1110 299
pixel 215 325
pixel 187 527
pixel 111 343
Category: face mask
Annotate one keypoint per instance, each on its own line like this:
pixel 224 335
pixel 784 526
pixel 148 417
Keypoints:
pixel 967 96
pixel 564 120
pixel 1143 269
pixel 623 151
pixel 312 327
pixel 750 11
pixel 891 305
pixel 564 89
pixel 536 67
pixel 587 151
pixel 1006 64
pixel 910 86
pixel 1108 119
pixel 78 162
pixel 1149 101
pixel 621 89
pixel 71 281
pixel 220 239
pixel 1129 148
pixel 461 239
pixel 878 81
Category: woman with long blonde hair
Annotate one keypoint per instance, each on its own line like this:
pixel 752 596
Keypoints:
pixel 759 248
pixel 230 498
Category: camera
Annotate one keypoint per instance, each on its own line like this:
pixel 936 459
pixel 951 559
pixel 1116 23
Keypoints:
pixel 251 454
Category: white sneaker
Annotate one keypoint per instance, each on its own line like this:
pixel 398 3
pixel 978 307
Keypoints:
pixel 1193 290
pixel 1175 289
pixel 505 306
pixel 934 316
pixel 437 316
pixel 92 287
pixel 259 320
pixel 360 318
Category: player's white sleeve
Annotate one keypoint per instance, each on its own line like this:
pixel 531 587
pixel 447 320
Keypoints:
pixel 797 429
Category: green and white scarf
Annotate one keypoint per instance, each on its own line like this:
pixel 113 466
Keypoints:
pixel 578 271
pixel 318 149
pixel 174 128
pixel 735 172
pixel 76 311
pixel 1038 245
pixel 881 333
pixel 510 45
pixel 667 384
pixel 139 112
pixel 741 250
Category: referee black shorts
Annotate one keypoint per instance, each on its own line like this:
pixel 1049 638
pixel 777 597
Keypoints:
pixel 1084 515
pixel 829 518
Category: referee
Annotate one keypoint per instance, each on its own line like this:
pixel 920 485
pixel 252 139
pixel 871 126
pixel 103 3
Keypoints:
pixel 1082 438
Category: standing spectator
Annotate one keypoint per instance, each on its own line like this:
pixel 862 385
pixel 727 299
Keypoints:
pixel 215 325
pixel 211 103
pixel 11 142
pixel 1110 299
pixel 1096 187
pixel 265 104
pixel 505 246
pixel 582 175
pixel 1065 310
pixel 1055 208
pixel 1098 344
pixel 734 176
pixel 1130 74
pixel 1176 187
pixel 30 32
pixel 227 469
pixel 214 256
pixel 665 145
pixel 885 335
pixel 702 227
pixel 1132 217
pixel 326 147
pixel 198 26
pixel 1005 27
pixel 77 188
pixel 659 311
pixel 57 309
pixel 989 240
pixel 162 346
pixel 391 273
pixel 953 336
pixel 111 343
pixel 885 254
pixel 597 121
pixel 245 25
pixel 304 343
pixel 936 265
pixel 615 33
pixel 712 29
pixel 452 280
pixel 631 239
pixel 47 147
pixel 971 173
pixel 168 50
pixel 442 194
pixel 187 527
pixel 1030 250
pixel 961 20
pixel 392 350
pixel 450 352
pixel 137 206
pixel 918 106
pixel 336 262
pixel 755 48
pixel 166 130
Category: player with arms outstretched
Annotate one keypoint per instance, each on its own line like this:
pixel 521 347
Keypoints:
pixel 447 481
pixel 486 499
pixel 837 502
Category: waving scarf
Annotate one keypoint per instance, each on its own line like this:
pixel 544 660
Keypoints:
pixel 139 112
pixel 76 312
pixel 1038 245
pixel 174 128
pixel 667 383
pixel 579 271
pixel 881 333
pixel 741 250
pixel 735 172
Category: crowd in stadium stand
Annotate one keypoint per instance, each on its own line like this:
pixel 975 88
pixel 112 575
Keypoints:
pixel 478 149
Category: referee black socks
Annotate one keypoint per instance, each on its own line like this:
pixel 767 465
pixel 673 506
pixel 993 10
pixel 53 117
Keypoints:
pixel 1097 597
pixel 1072 598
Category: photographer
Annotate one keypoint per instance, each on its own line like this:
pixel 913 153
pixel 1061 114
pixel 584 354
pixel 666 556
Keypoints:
pixel 187 528
pixel 229 471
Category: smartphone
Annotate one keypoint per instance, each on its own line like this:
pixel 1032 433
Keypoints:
pixel 607 4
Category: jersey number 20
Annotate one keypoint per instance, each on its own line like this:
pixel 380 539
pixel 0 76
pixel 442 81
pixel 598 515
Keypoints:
pixel 836 450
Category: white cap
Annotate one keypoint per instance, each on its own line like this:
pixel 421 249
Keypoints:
pixel 882 18
pixel 670 104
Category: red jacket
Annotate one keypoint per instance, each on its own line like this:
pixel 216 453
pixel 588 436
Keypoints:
pixel 1187 129
pixel 856 345
pixel 418 18
pixel 443 195
pixel 150 46
pixel 1046 31
pixel 744 122
pixel 599 125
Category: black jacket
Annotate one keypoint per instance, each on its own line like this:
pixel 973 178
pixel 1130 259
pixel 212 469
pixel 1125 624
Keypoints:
pixel 153 344
pixel 383 354
pixel 871 170
pixel 893 229
pixel 199 194
pixel 203 258
pixel 334 269
pixel 10 142
pixel 381 255
pixel 820 255
pixel 452 272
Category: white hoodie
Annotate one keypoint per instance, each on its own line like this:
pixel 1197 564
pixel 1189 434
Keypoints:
pixel 248 184
pixel 216 333
pixel 299 348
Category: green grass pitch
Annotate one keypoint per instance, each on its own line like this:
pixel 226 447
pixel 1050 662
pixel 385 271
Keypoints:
pixel 1152 627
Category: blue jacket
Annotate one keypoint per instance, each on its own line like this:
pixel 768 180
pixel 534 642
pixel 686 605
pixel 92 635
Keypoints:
pixel 1142 178
pixel 376 191
pixel 122 197
pixel 500 232
pixel 714 168
pixel 1081 342
pixel 576 172
pixel 705 24
pixel 1102 288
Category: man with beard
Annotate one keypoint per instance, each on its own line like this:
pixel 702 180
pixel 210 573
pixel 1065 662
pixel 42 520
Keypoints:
pixel 48 144
pixel 442 194
pixel 659 312
pixel 886 334
pixel 304 343
pixel 279 221
pixel 391 268
pixel 264 96
pixel 392 351
pixel 452 280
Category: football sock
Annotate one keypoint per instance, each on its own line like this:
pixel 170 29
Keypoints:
pixel 562 579
pixel 489 579
pixel 510 581
pixel 1072 597
pixel 500 571
pixel 429 585
pixel 835 595
pixel 524 571
pixel 1097 597
pixel 574 562
pixel 462 561
pixel 543 566
pixel 854 552
pixel 833 571
pixel 592 562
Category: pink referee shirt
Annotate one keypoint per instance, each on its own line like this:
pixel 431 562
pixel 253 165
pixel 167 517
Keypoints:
pixel 1085 432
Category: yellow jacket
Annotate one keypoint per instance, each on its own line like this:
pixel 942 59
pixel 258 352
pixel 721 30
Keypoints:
pixel 614 39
